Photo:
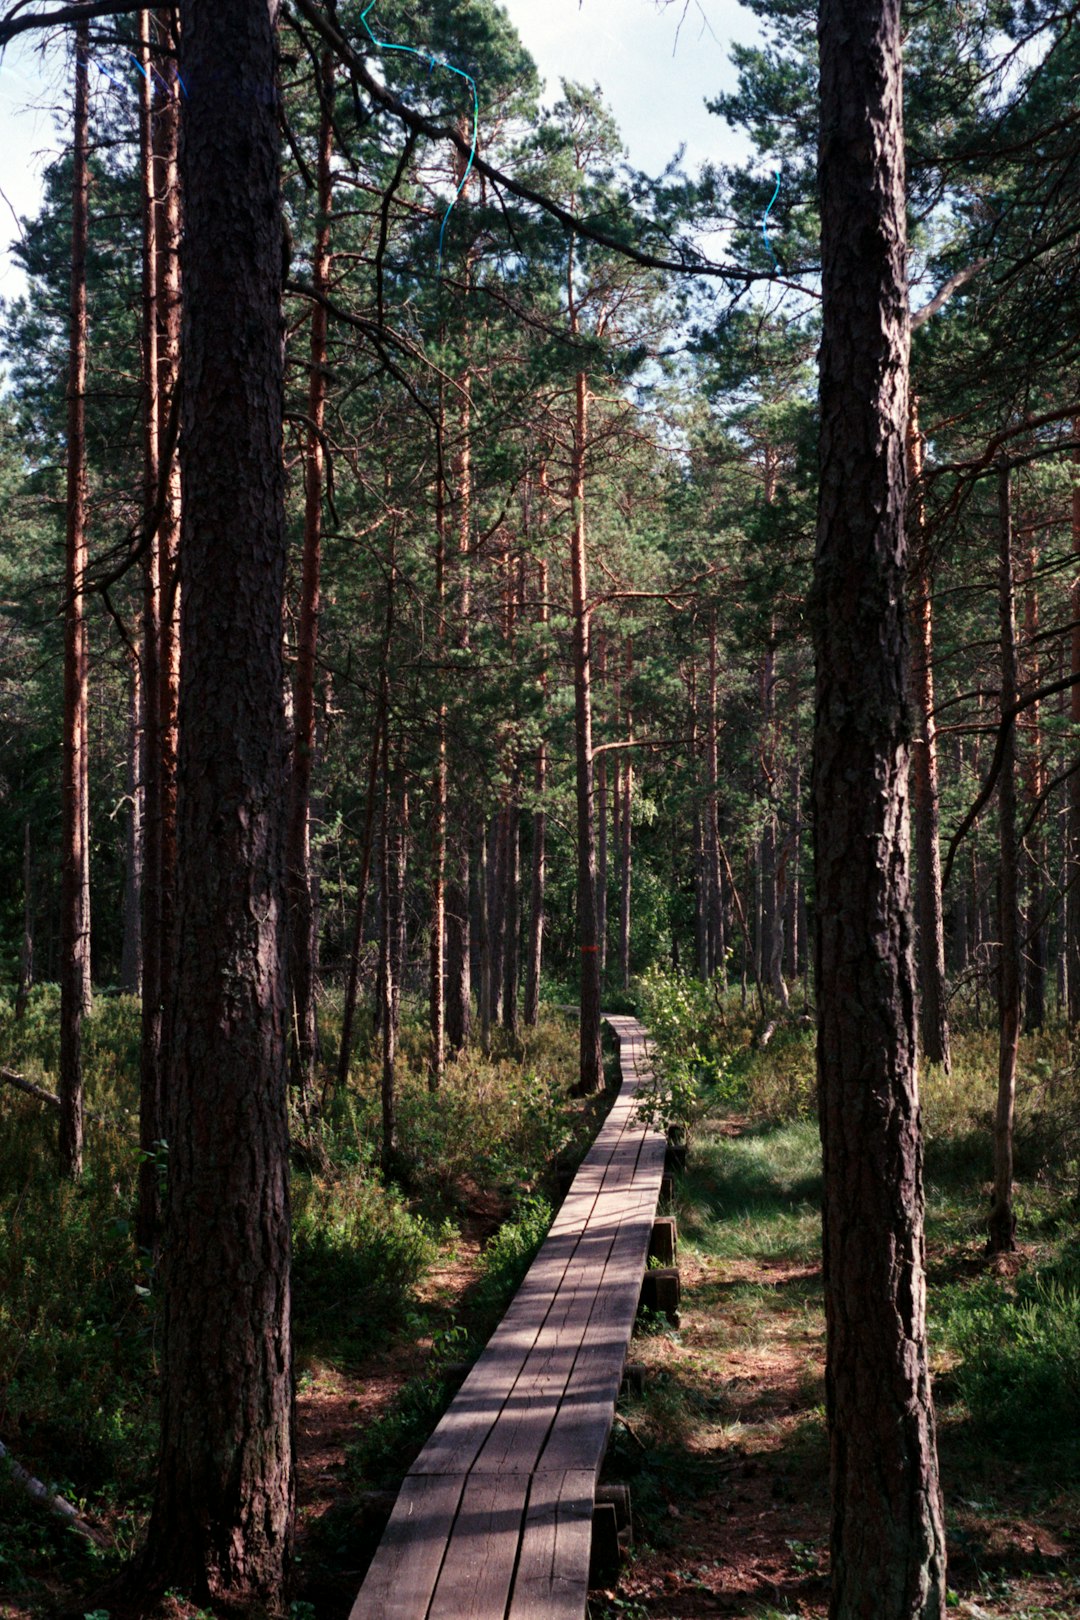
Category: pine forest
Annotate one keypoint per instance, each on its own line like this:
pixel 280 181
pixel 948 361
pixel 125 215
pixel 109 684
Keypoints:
pixel 540 810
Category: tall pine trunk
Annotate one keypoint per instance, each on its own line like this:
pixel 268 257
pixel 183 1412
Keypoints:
pixel 151 1127
pixel 75 854
pixel 1073 880
pixel 591 1061
pixel 221 1522
pixel 887 1539
pixel 303 935
pixel 1002 1217
pixel 539 843
pixel 933 1006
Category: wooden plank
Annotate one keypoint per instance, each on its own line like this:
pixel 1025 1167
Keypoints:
pixel 552 1578
pixel 579 1435
pixel 404 1572
pixel 478 1570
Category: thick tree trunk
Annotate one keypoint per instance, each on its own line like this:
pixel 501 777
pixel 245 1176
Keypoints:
pixel 439 779
pixel 887 1541
pixel 303 937
pixel 1002 1224
pixel 626 861
pixel 222 1517
pixel 592 1067
pixel 75 853
pixel 933 1005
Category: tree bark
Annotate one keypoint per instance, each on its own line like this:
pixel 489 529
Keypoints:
pixel 151 1127
pixel 131 946
pixel 539 841
pixel 382 704
pixel 591 1061
pixel 887 1537
pixel 933 1005
pixel 387 1018
pixel 166 126
pixel 303 936
pixel 1073 877
pixel 512 910
pixel 75 856
pixel 1002 1233
pixel 1035 931
pixel 221 1522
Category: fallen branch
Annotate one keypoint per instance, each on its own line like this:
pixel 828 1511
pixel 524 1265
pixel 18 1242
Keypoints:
pixel 29 1087
pixel 41 1493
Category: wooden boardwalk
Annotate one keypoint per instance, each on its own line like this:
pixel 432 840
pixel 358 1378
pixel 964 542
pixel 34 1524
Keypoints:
pixel 494 1519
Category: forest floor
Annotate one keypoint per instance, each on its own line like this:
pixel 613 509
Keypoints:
pixel 724 1450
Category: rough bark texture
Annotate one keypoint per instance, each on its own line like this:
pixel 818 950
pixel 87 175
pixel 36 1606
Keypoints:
pixel 933 1007
pixel 1073 874
pixel 222 1517
pixel 151 1130
pixel 887 1540
pixel 75 798
pixel 1002 1217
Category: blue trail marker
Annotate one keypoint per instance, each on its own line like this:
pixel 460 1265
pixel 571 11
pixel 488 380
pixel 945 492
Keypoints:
pixel 434 62
pixel 765 221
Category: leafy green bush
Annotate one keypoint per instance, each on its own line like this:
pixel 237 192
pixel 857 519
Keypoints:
pixel 685 1019
pixel 1019 1368
pixel 509 1254
pixel 357 1256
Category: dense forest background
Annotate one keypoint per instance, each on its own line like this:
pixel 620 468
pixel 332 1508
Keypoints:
pixel 550 486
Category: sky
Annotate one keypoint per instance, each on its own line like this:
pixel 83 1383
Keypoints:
pixel 655 73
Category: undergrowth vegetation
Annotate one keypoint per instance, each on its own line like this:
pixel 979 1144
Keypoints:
pixel 80 1321
pixel 1005 1338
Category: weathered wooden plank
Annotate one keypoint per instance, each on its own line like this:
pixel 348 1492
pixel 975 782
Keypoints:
pixel 478 1570
pixel 404 1572
pixel 553 1566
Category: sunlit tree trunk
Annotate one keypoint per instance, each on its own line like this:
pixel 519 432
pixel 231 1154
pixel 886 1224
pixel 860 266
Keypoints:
pixel 887 1537
pixel 592 1069
pixel 933 1006
pixel 75 856
pixel 221 1523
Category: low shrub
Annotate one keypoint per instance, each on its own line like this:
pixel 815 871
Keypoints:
pixel 358 1255
pixel 1018 1371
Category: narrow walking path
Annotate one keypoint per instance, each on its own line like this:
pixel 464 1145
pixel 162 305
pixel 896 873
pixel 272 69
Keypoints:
pixel 494 1519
